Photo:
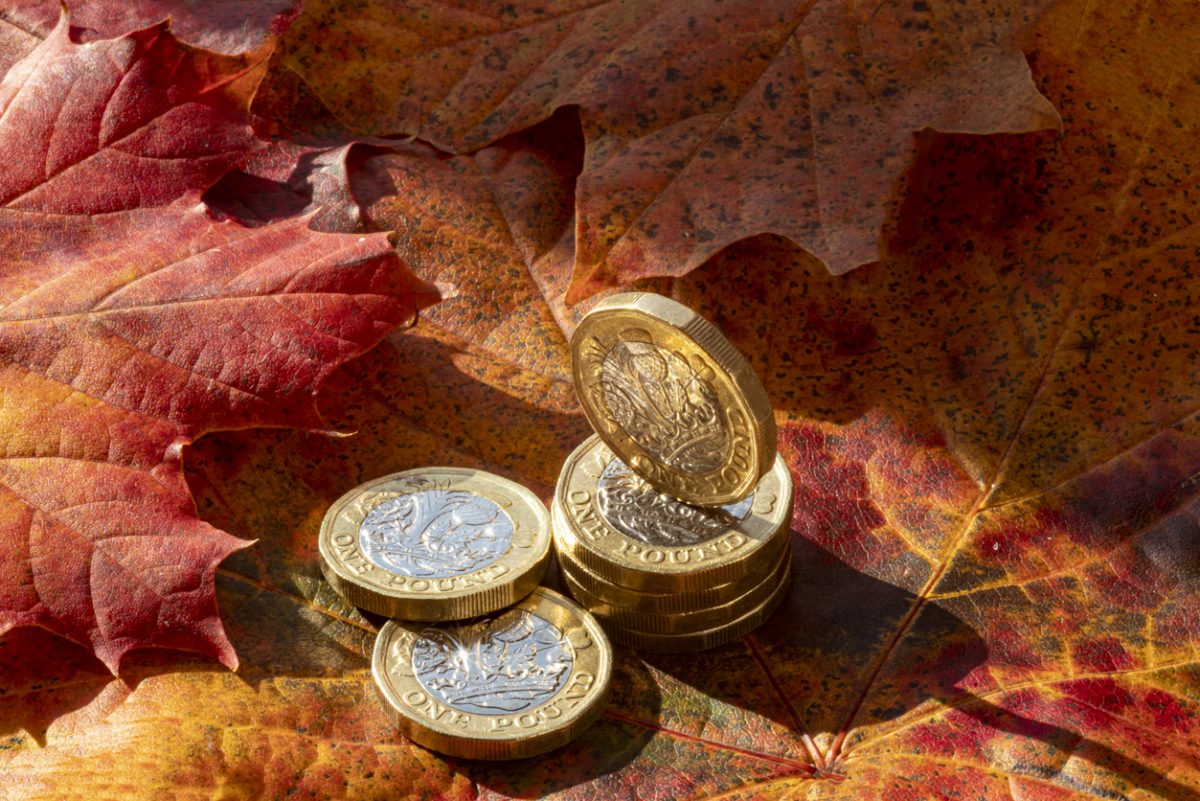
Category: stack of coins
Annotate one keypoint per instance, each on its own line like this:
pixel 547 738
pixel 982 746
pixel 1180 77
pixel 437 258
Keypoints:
pixel 671 523
pixel 479 661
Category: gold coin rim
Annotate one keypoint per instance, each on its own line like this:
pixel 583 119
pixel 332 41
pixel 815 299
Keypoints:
pixel 692 621
pixel 738 384
pixel 768 529
pixel 547 604
pixel 651 642
pixel 649 602
pixel 524 568
pixel 655 603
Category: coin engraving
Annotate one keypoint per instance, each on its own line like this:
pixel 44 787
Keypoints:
pixel 435 532
pixel 664 403
pixel 495 666
pixel 641 512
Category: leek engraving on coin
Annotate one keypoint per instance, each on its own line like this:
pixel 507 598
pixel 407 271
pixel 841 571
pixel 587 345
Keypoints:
pixel 637 510
pixel 664 404
pixel 435 532
pixel 494 666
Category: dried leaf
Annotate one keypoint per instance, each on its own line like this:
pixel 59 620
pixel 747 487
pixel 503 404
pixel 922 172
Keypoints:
pixel 120 123
pixel 705 122
pixel 226 26
pixel 15 42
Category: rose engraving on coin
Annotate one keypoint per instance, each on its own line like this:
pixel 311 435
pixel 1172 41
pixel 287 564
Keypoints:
pixel 664 404
pixel 494 666
pixel 435 533
pixel 637 510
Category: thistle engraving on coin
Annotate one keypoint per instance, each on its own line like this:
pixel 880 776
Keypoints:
pixel 637 510
pixel 491 669
pixel 435 532
pixel 664 403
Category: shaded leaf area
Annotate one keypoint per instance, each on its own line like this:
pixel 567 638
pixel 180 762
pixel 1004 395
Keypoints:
pixel 226 26
pixel 705 122
pixel 1000 420
pixel 994 438
pixel 132 321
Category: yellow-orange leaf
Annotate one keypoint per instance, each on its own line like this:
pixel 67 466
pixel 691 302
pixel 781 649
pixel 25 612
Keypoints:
pixel 995 442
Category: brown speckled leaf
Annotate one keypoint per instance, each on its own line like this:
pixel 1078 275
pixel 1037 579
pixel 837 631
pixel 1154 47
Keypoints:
pixel 706 122
pixel 495 226
pixel 995 442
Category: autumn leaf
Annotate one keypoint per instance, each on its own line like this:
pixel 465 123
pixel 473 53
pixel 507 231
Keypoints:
pixel 503 247
pixel 15 42
pixel 705 122
pixel 993 433
pixel 128 328
pixel 226 26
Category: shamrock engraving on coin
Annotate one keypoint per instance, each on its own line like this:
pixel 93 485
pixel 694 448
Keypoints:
pixel 654 543
pixel 673 398
pixel 437 543
pixel 510 685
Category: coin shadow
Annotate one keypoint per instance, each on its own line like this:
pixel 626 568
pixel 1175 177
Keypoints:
pixel 793 669
pixel 817 652
pixel 834 622
pixel 612 742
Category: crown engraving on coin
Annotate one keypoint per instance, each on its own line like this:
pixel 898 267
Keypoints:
pixel 494 666
pixel 668 406
pixel 637 510
pixel 435 532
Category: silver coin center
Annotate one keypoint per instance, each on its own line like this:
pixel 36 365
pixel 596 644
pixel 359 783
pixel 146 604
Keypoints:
pixel 637 510
pixel 668 409
pixel 435 533
pixel 496 666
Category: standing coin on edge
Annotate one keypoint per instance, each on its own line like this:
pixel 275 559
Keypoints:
pixel 622 529
pixel 673 398
pixel 519 683
pixel 436 543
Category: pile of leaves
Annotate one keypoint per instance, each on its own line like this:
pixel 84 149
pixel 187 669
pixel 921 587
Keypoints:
pixel 957 240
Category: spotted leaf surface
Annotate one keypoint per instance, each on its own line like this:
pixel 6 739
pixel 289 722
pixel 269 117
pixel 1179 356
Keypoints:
pixel 705 122
pixel 226 26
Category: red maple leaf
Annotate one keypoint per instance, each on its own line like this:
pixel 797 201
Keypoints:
pixel 132 321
